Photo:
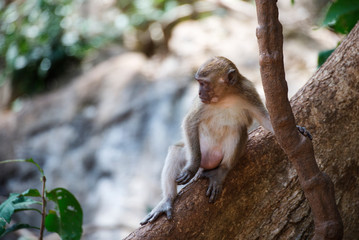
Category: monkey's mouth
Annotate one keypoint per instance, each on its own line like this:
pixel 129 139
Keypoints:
pixel 205 100
pixel 208 100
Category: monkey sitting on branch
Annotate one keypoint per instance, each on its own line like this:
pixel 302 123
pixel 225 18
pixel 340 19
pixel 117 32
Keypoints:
pixel 214 131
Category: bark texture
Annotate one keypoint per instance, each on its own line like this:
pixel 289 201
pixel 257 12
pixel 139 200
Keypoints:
pixel 318 187
pixel 262 198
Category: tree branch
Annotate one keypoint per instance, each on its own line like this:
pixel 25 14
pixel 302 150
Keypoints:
pixel 317 186
pixel 43 210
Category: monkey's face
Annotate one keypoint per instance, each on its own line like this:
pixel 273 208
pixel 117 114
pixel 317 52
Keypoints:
pixel 211 88
pixel 206 92
pixel 216 78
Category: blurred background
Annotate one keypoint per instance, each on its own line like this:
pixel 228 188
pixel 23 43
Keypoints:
pixel 95 91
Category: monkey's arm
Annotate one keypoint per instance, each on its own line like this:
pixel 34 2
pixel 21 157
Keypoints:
pixel 262 116
pixel 255 105
pixel 192 145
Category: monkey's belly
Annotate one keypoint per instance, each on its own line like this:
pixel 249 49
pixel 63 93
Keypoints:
pixel 211 158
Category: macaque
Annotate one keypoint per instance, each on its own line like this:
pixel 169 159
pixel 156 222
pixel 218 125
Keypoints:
pixel 214 131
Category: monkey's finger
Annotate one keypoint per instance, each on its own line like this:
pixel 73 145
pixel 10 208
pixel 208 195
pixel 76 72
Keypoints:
pixel 304 132
pixel 180 179
pixel 307 133
pixel 183 178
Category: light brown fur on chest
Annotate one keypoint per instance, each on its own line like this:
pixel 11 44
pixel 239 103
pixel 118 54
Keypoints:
pixel 219 130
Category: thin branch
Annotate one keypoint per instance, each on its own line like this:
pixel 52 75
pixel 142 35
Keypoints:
pixel 317 186
pixel 42 227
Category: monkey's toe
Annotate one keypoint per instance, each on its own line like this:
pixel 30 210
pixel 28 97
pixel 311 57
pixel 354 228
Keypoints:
pixel 214 191
pixel 146 219
pixel 153 217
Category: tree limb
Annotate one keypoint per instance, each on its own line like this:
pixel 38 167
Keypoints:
pixel 317 186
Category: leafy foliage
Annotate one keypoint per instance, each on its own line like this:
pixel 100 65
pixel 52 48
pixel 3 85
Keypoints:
pixel 341 17
pixel 31 43
pixel 16 202
pixel 65 219
pixel 38 40
pixel 323 56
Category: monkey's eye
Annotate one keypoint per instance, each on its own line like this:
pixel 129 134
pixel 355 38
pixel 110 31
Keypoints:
pixel 201 83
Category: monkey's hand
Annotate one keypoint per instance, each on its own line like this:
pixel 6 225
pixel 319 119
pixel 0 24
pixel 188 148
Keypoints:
pixel 165 206
pixel 304 132
pixel 185 176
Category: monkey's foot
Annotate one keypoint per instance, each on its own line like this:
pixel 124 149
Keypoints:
pixel 304 132
pixel 165 206
pixel 214 189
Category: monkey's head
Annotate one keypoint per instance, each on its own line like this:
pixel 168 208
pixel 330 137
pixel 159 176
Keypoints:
pixel 217 78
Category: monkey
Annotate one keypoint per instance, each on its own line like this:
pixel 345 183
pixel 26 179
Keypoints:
pixel 214 132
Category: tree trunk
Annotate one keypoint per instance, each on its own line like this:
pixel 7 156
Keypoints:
pixel 262 198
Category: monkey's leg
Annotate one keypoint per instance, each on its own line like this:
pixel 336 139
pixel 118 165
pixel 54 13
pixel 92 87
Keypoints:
pixel 174 163
pixel 233 150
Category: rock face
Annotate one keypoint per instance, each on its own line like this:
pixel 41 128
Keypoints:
pixel 104 138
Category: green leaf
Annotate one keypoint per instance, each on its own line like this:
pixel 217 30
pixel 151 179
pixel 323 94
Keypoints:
pixel 7 209
pixel 16 227
pixel 323 56
pixel 345 23
pixel 23 203
pixel 342 15
pixel 15 202
pixel 2 226
pixel 67 219
pixel 31 193
pixel 52 222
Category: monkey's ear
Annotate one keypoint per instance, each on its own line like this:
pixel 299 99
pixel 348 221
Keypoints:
pixel 231 76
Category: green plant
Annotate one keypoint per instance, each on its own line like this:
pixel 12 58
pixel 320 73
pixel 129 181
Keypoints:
pixel 39 40
pixel 341 17
pixel 65 219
